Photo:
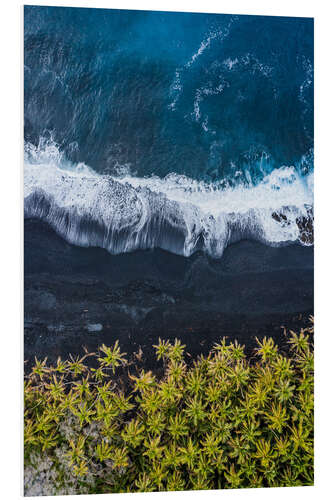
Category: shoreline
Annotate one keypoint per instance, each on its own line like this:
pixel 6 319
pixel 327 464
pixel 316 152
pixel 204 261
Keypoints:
pixel 77 297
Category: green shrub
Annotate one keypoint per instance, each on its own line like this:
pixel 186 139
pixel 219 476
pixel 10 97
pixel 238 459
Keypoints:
pixel 222 421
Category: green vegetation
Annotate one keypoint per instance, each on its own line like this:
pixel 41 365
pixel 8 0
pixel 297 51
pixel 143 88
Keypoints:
pixel 222 421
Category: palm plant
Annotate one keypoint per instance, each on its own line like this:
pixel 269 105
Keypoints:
pixel 220 421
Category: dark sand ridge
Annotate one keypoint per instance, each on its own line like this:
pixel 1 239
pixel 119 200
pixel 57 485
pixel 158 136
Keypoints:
pixel 77 297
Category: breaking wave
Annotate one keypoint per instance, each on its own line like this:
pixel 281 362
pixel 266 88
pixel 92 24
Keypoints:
pixel 124 213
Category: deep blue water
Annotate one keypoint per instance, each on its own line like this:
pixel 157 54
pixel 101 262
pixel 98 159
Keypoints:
pixel 198 94
pixel 174 130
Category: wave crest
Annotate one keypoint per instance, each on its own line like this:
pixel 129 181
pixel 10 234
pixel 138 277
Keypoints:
pixel 176 213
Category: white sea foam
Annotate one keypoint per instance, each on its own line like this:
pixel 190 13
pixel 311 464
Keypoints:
pixel 177 86
pixel 201 94
pixel 176 213
pixel 230 63
pixel 308 79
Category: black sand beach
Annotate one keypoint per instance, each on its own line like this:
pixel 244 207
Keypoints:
pixel 77 297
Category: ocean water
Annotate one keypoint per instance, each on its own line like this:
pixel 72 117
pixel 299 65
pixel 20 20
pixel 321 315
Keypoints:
pixel 173 130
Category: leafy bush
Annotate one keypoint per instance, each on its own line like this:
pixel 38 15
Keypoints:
pixel 222 421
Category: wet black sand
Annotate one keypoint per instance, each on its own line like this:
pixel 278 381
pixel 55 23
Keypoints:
pixel 77 297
